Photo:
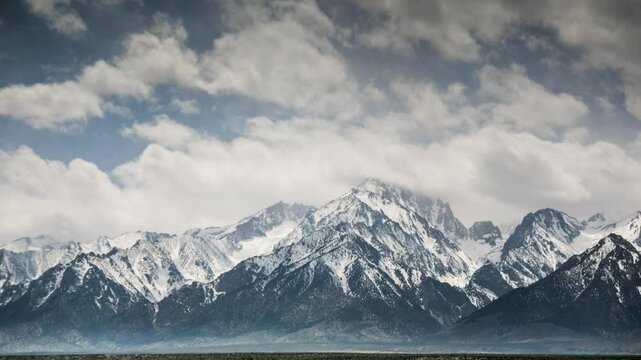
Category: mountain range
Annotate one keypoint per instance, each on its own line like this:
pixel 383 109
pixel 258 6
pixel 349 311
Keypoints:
pixel 378 264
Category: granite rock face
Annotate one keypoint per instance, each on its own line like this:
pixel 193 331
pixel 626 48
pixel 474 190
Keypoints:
pixel 485 231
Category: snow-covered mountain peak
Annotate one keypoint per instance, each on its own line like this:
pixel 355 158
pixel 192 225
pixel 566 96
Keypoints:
pixel 35 243
pixel 128 239
pixel 596 291
pixel 599 251
pixel 544 224
pixel 264 221
pixel 21 264
pixel 610 261
pixel 208 231
pixel 377 189
pixel 388 197
pixel 366 204
pixel 484 243
pixel 629 228
pixel 283 210
pixel 555 220
pixel 157 264
pixel 609 242
pixel 485 231
pixel 373 185
pixel 538 245
pixel 389 219
pixel 153 264
pixel 595 220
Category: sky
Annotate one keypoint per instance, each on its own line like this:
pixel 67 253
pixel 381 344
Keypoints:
pixel 120 115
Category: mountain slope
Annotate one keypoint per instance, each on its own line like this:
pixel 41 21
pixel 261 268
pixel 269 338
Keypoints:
pixel 596 227
pixel 413 238
pixel 153 264
pixel 112 296
pixel 366 263
pixel 25 259
pixel 378 263
pixel 629 228
pixel 342 286
pixel 76 297
pixel 485 231
pixel 596 292
pixel 385 197
pixel 484 241
pixel 156 266
pixel 537 247
pixel 22 267
pixel 34 243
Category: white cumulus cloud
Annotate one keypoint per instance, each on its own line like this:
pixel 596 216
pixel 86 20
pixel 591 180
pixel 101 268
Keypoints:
pixel 162 130
pixel 187 181
pixel 58 15
pixel 50 106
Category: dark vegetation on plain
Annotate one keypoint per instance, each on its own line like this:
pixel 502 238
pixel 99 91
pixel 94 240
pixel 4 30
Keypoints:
pixel 312 356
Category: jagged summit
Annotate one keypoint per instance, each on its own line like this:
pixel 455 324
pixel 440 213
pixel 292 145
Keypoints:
pixel 595 292
pixel 597 218
pixel 436 211
pixel 152 264
pixel 485 231
pixel 392 219
pixel 541 224
pixel 279 215
pixel 380 259
pixel 374 185
pixel 128 239
pixel 615 239
pixel 370 254
pixel 628 227
pixel 539 244
pixel 280 209
pixel 35 243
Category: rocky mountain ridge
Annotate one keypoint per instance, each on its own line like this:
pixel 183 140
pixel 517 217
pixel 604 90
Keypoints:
pixel 379 262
